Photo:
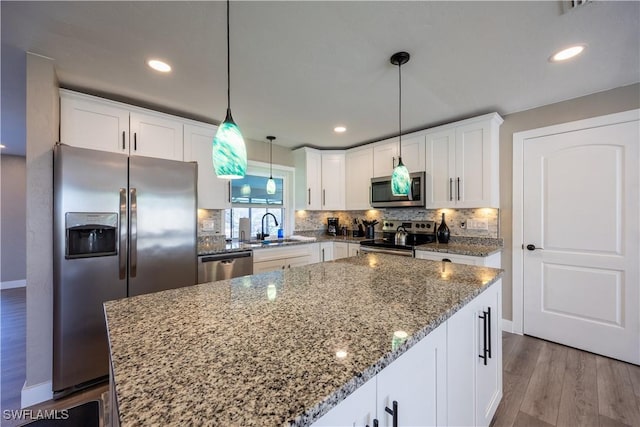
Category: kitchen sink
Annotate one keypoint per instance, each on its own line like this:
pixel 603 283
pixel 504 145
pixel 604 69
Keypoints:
pixel 265 243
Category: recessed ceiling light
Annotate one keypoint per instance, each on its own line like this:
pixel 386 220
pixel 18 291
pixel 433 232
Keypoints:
pixel 567 53
pixel 339 129
pixel 158 65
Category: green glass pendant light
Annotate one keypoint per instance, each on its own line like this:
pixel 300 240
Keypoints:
pixel 229 152
pixel 271 184
pixel 400 180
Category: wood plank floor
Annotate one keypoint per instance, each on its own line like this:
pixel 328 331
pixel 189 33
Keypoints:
pixel 13 356
pixel 548 384
pixel 545 384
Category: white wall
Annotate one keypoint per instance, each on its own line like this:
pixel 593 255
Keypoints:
pixel 13 228
pixel 42 133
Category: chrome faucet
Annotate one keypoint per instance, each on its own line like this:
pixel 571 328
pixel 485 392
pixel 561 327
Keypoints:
pixel 263 235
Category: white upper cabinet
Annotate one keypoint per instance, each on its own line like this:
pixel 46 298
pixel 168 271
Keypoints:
pixel 213 192
pixel 99 124
pixel 155 136
pixel 385 157
pixel 319 179
pixel 86 123
pixel 333 180
pixel 358 173
pixel 308 178
pixel 386 154
pixel 462 164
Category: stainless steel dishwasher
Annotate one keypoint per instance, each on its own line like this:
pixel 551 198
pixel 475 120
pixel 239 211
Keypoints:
pixel 224 266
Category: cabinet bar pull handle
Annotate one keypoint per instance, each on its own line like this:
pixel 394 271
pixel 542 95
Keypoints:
pixel 375 423
pixel 485 350
pixel 458 188
pixel 324 197
pixel 393 163
pixel 450 189
pixel 135 141
pixel 309 191
pixel 322 254
pixel 123 140
pixel 489 330
pixel 393 412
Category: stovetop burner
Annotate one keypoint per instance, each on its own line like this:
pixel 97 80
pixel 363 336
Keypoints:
pixel 419 232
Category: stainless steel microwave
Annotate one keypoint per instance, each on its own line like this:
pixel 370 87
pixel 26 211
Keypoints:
pixel 381 196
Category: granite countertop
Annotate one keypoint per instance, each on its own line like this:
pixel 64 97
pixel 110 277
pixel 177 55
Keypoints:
pixel 277 348
pixel 471 249
pixel 236 246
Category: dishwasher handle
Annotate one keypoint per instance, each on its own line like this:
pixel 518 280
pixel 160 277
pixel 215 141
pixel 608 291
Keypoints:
pixel 226 256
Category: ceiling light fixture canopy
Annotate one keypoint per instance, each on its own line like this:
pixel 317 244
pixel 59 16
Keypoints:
pixel 400 180
pixel 229 152
pixel 271 184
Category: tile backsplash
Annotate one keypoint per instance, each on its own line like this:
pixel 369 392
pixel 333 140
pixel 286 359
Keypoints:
pixel 317 220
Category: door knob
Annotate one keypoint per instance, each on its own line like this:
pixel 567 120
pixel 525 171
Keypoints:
pixel 531 247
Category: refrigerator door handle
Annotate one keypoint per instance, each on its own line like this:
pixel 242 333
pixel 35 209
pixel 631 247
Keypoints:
pixel 133 232
pixel 122 252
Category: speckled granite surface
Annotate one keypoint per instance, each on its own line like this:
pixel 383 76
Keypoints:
pixel 235 246
pixel 265 350
pixel 460 248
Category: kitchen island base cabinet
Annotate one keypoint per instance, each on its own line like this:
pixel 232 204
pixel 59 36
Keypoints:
pixel 357 410
pixel 475 383
pixel 416 381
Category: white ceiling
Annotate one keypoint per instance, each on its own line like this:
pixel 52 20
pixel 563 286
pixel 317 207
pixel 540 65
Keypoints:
pixel 299 68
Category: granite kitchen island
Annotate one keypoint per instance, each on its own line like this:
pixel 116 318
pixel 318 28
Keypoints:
pixel 278 348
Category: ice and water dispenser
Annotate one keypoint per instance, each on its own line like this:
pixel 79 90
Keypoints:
pixel 90 234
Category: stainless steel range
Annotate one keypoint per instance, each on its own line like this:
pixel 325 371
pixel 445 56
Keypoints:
pixel 418 233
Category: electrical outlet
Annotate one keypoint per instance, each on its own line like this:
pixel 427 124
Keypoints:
pixel 208 225
pixel 478 224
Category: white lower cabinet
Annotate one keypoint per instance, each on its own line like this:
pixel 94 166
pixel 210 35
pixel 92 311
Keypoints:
pixel 284 257
pixel 354 249
pixel 326 251
pixel 358 409
pixel 416 381
pixel 474 352
pixel 493 260
pixel 340 250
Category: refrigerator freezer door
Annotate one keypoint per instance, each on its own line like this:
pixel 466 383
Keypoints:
pixel 90 182
pixel 162 225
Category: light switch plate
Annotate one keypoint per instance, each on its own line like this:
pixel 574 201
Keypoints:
pixel 478 224
pixel 208 225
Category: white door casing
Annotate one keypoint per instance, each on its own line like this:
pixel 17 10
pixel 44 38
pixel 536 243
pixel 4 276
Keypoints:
pixel 576 194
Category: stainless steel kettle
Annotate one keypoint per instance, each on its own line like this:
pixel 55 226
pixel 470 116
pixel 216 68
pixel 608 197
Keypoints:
pixel 401 236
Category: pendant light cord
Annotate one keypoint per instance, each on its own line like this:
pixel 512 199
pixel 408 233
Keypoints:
pixel 270 158
pixel 400 111
pixel 228 63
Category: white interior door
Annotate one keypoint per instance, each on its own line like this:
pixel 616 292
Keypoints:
pixel 580 213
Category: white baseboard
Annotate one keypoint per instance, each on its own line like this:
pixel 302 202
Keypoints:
pixel 36 394
pixel 507 325
pixel 10 284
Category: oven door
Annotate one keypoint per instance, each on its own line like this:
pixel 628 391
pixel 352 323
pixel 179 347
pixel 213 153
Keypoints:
pixel 372 249
pixel 382 197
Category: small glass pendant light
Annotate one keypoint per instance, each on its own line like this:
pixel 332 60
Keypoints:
pixel 271 184
pixel 229 153
pixel 400 180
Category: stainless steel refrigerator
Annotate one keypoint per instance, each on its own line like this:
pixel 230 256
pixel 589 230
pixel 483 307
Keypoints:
pixel 123 226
